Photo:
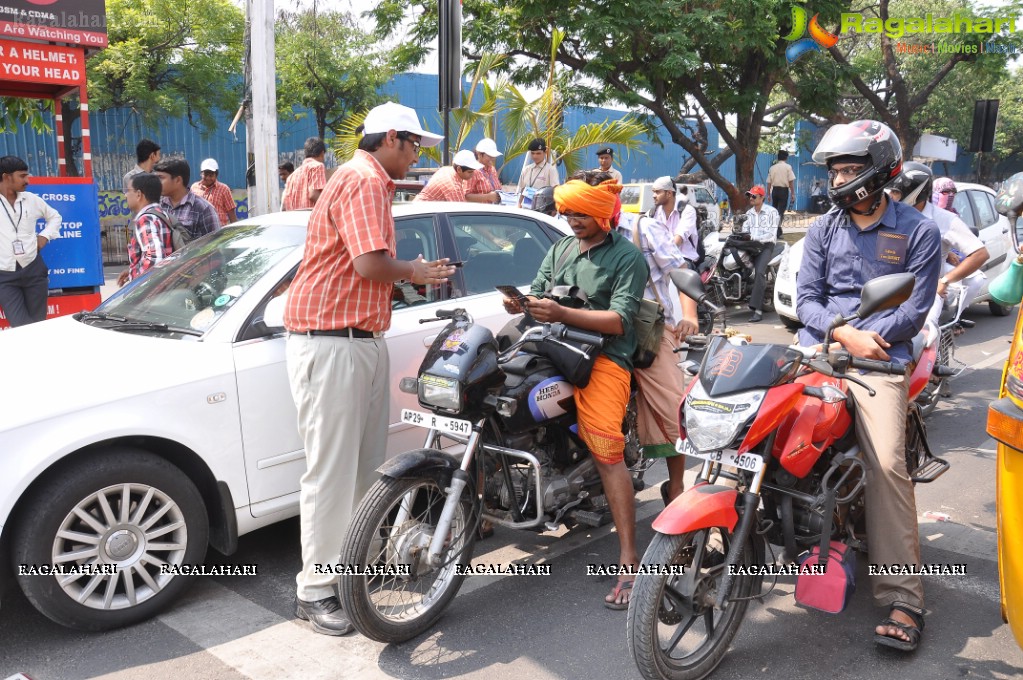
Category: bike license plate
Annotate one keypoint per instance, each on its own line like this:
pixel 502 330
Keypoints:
pixel 750 462
pixel 434 422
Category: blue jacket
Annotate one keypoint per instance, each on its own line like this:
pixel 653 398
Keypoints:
pixel 838 258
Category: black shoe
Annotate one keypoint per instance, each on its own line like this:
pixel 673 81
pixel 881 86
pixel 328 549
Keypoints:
pixel 325 615
pixel 757 316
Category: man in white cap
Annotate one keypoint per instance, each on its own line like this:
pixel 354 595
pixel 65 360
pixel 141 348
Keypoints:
pixel 215 192
pixel 485 184
pixel 338 308
pixel 448 183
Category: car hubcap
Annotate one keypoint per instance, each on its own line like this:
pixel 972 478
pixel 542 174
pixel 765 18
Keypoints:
pixel 116 544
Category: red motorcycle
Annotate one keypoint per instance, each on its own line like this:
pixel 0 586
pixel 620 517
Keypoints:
pixel 774 421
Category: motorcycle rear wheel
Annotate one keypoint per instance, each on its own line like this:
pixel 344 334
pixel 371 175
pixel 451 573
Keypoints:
pixel 666 609
pixel 397 608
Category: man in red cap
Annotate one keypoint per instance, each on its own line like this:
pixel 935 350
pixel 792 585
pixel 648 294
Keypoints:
pixel 762 225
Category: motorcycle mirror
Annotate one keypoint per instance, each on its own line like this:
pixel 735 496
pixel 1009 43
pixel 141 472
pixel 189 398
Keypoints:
pixel 885 292
pixel 689 282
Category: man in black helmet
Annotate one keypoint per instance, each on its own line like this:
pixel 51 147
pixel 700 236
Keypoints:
pixel 866 235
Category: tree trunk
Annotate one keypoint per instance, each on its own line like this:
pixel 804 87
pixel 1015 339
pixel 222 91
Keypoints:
pixel 321 122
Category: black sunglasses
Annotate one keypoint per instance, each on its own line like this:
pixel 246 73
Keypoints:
pixel 407 137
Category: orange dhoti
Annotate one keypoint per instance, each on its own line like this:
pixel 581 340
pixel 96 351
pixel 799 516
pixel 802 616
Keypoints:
pixel 601 408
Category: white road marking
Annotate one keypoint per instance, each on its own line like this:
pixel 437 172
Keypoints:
pixel 261 645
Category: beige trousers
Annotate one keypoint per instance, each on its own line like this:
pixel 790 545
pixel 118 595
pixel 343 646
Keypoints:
pixel 660 391
pixel 340 388
pixel 892 534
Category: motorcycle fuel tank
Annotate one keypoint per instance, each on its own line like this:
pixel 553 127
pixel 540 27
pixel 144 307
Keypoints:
pixel 811 427
pixel 541 392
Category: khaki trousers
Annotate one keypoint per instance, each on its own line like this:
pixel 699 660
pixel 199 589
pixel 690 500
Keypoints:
pixel 660 391
pixel 892 534
pixel 340 387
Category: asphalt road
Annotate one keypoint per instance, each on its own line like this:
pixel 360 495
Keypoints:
pixel 546 627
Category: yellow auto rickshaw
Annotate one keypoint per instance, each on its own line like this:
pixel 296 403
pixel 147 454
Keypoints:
pixel 1005 425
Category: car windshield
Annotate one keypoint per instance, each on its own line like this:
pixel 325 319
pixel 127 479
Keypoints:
pixel 703 196
pixel 192 289
pixel 630 195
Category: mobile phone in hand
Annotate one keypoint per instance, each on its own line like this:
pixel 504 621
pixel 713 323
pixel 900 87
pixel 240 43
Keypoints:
pixel 513 293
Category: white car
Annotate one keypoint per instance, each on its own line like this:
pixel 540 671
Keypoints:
pixel 639 198
pixel 975 204
pixel 135 435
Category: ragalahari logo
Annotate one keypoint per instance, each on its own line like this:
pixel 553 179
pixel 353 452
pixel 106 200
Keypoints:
pixel 819 38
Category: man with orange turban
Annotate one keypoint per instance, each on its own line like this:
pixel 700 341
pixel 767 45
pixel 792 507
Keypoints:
pixel 613 274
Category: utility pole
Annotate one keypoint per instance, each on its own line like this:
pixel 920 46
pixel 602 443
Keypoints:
pixel 261 107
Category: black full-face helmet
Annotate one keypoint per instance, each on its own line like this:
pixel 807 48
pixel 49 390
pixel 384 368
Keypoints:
pixel 914 182
pixel 866 141
pixel 543 201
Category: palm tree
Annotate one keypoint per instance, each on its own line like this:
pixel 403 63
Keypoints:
pixel 522 120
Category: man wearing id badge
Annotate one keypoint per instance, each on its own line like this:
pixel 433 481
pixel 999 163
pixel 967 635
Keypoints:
pixel 864 236
pixel 24 280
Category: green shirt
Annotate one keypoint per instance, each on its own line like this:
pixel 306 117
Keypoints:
pixel 613 274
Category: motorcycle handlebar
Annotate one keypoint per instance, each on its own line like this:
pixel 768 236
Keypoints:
pixel 581 336
pixel 879 366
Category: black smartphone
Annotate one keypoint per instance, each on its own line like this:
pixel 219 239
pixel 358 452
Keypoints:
pixel 513 293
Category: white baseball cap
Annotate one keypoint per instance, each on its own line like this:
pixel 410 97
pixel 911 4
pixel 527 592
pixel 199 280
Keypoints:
pixel 209 164
pixel 466 159
pixel 489 147
pixel 391 116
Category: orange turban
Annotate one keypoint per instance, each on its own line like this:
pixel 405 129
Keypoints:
pixel 597 202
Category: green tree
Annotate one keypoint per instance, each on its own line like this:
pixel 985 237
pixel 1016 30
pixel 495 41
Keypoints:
pixel 865 75
pixel 167 59
pixel 327 64
pixel 522 120
pixel 682 62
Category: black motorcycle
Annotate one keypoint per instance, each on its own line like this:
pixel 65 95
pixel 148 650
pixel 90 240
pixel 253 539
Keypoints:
pixel 523 467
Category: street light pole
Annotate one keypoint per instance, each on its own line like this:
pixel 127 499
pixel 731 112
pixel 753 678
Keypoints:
pixel 261 112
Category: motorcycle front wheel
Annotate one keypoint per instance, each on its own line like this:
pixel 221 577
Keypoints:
pixel 674 632
pixel 392 528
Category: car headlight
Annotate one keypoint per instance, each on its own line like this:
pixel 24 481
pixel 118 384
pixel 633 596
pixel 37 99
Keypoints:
pixel 441 392
pixel 713 424
pixel 784 266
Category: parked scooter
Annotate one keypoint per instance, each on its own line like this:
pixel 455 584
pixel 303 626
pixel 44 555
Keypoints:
pixel 775 422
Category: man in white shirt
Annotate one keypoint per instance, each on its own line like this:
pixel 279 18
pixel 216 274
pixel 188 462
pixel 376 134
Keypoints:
pixel 664 210
pixel 762 226
pixel 605 157
pixel 914 187
pixel 782 183
pixel 537 173
pixel 687 231
pixel 24 278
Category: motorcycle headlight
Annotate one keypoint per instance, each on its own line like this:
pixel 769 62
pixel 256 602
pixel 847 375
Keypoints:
pixel 439 391
pixel 714 424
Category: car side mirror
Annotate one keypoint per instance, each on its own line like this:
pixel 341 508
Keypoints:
pixel 885 292
pixel 273 313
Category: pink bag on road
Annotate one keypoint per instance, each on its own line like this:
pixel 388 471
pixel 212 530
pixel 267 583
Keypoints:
pixel 830 591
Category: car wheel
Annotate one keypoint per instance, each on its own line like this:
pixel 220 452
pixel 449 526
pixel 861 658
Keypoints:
pixel 126 511
pixel 791 324
pixel 999 310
